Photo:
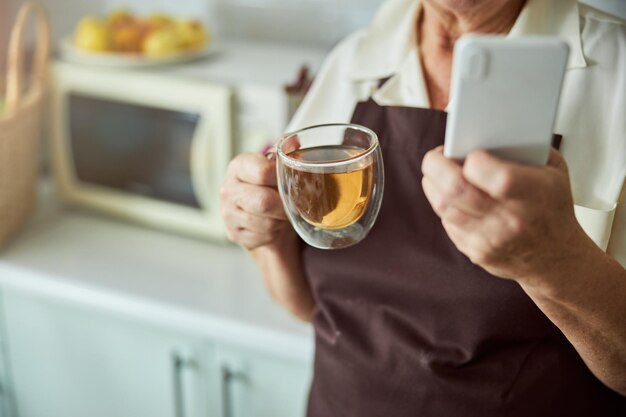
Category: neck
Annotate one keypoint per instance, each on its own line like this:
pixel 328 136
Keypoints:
pixel 445 21
pixel 442 22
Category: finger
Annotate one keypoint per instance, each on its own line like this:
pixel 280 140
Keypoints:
pixel 254 199
pixel 498 178
pixel 270 149
pixel 256 223
pixel 441 169
pixel 237 219
pixel 472 245
pixel 455 234
pixel 447 176
pixel 557 161
pixel 292 143
pixel 252 240
pixel 254 168
pixel 442 207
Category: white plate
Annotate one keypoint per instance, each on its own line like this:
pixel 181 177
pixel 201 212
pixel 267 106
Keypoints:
pixel 110 59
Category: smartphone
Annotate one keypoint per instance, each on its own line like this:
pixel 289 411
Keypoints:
pixel 504 96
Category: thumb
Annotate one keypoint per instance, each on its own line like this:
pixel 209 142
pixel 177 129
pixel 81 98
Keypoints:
pixel 499 178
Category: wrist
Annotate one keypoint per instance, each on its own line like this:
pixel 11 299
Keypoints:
pixel 286 243
pixel 280 264
pixel 568 271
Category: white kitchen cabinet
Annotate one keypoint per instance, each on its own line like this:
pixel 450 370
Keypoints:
pixel 106 319
pixel 5 381
pixel 259 385
pixel 72 362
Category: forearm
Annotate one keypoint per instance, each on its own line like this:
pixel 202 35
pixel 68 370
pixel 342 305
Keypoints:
pixel 282 270
pixel 586 299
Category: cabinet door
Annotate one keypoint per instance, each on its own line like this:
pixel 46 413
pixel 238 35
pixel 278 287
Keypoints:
pixel 70 362
pixel 259 385
pixel 5 377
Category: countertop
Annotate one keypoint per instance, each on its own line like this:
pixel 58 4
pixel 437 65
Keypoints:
pixel 237 62
pixel 259 63
pixel 203 289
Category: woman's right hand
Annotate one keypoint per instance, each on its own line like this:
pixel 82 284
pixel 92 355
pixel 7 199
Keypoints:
pixel 256 220
pixel 251 206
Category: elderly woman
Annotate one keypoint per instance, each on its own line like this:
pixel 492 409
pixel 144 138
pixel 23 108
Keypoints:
pixel 484 289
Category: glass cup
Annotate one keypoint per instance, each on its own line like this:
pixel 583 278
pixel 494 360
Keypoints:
pixel 331 180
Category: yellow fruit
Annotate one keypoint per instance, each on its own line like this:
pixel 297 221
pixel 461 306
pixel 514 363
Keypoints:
pixel 119 16
pixel 192 34
pixel 159 21
pixel 161 42
pixel 127 37
pixel 92 34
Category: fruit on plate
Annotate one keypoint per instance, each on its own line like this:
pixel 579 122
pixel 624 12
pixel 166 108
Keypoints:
pixel 158 35
pixel 159 21
pixel 120 16
pixel 126 36
pixel 92 34
pixel 191 33
pixel 161 42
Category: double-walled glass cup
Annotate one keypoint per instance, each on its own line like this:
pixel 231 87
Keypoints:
pixel 331 179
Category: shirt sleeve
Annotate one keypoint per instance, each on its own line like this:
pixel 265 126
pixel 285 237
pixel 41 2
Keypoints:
pixel 617 244
pixel 593 125
pixel 614 48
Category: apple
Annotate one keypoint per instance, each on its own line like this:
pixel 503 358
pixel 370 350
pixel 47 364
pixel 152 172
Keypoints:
pixel 192 34
pixel 161 42
pixel 92 34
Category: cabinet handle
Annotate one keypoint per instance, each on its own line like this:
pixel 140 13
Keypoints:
pixel 179 364
pixel 228 377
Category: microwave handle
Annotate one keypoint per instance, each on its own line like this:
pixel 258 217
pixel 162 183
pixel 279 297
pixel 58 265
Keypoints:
pixel 200 157
pixel 211 146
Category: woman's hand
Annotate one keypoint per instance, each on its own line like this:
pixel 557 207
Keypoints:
pixel 255 219
pixel 251 206
pixel 515 221
pixel 518 222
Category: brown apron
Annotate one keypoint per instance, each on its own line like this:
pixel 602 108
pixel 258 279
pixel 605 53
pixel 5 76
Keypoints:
pixel 406 325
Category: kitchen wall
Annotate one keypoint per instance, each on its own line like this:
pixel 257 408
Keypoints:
pixel 320 22
pixel 313 21
pixel 317 22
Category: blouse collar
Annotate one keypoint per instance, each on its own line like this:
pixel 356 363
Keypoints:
pixel 389 40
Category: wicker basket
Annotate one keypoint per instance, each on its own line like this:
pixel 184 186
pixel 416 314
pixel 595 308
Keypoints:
pixel 20 124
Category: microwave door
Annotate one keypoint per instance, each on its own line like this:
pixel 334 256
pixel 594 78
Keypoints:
pixel 134 148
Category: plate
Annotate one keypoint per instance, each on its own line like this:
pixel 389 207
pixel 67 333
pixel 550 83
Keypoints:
pixel 70 53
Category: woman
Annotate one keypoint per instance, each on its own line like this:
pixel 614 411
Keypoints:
pixel 481 290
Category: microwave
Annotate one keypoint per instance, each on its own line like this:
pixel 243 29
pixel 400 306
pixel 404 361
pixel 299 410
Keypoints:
pixel 152 146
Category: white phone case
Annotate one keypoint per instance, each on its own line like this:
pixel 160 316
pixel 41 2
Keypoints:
pixel 504 96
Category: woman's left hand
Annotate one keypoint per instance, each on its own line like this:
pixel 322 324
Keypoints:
pixel 516 221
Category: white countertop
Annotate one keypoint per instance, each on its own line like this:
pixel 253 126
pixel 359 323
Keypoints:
pixel 261 63
pixel 203 289
pixel 238 62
